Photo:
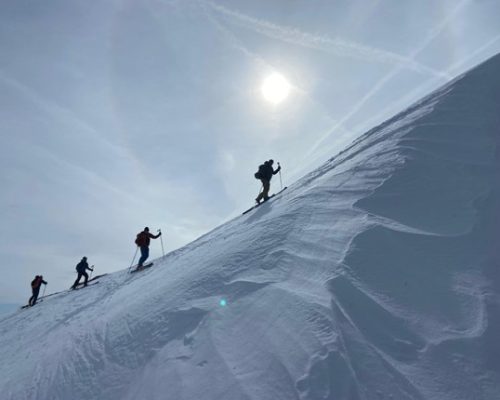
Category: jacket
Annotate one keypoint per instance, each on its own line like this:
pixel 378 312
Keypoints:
pixel 37 282
pixel 266 171
pixel 82 266
pixel 144 238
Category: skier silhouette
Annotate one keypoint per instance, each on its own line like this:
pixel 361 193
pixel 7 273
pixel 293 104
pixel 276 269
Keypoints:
pixel 142 240
pixel 265 173
pixel 35 288
pixel 81 268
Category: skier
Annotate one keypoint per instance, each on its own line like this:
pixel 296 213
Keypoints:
pixel 35 288
pixel 265 173
pixel 142 240
pixel 81 268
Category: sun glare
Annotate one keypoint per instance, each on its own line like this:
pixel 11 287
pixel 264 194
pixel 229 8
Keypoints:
pixel 275 88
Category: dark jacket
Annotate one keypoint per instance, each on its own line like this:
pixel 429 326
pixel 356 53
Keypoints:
pixel 82 266
pixel 144 238
pixel 37 282
pixel 266 171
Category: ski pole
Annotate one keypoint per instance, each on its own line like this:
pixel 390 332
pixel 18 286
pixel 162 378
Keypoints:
pixel 161 240
pixel 281 182
pixel 91 273
pixel 44 287
pixel 133 259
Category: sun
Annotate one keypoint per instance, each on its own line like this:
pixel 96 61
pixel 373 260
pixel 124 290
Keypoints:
pixel 275 88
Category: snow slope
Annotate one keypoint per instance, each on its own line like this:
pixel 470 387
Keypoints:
pixel 374 277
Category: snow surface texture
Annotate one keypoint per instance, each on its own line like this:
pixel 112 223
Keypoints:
pixel 374 277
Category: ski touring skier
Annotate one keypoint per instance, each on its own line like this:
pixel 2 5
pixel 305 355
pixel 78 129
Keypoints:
pixel 81 268
pixel 142 241
pixel 264 174
pixel 35 288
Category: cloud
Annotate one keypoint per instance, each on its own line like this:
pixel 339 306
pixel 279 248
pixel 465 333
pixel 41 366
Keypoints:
pixel 58 112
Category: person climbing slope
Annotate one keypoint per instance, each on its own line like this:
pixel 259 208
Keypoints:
pixel 265 173
pixel 81 268
pixel 35 289
pixel 142 240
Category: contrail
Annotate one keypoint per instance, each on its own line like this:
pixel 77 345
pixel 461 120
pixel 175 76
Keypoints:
pixel 435 32
pixel 473 55
pixel 336 46
pixel 254 56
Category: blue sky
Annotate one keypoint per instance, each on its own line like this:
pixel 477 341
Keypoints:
pixel 120 114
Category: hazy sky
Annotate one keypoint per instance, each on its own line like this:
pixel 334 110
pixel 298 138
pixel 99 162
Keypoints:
pixel 119 114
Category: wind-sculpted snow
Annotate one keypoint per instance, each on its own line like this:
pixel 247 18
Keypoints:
pixel 375 276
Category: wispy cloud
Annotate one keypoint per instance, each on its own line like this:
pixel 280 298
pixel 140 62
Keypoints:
pixel 336 46
pixel 73 122
pixel 56 111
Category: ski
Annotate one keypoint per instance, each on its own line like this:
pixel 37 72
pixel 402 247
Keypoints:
pixel 28 306
pixel 81 285
pixel 270 197
pixel 143 267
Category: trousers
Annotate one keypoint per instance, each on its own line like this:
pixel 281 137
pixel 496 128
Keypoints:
pixel 80 274
pixel 264 195
pixel 144 255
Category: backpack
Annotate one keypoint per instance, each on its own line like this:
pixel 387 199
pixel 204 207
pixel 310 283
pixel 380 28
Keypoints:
pixel 34 283
pixel 258 174
pixel 140 240
pixel 79 267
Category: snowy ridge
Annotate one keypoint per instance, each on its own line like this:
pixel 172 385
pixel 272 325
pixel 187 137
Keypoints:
pixel 373 277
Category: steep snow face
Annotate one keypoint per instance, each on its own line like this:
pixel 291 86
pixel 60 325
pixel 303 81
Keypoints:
pixel 374 277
